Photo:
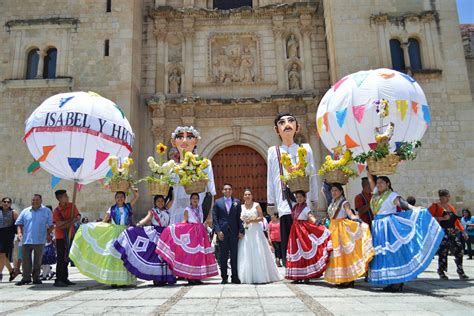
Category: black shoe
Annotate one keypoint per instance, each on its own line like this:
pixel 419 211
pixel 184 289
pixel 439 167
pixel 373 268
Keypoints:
pixel 236 281
pixel 463 276
pixel 114 286
pixel 443 276
pixel 69 282
pixel 60 284
pixel 22 282
pixel 37 282
pixel 296 281
pixel 159 283
pixel 225 280
pixel 306 281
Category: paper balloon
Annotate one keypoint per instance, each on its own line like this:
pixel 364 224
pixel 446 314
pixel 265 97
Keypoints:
pixel 71 135
pixel 347 113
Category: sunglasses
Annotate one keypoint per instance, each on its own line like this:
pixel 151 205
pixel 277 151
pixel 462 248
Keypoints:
pixel 8 202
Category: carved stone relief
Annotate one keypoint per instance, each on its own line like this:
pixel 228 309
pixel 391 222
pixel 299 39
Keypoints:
pixel 292 47
pixel 294 77
pixel 175 53
pixel 174 81
pixel 234 58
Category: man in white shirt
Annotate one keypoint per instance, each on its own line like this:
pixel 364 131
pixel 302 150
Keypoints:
pixel 286 126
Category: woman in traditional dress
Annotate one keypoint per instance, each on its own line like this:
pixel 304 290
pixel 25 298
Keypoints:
pixel 138 244
pixel 255 262
pixel 93 251
pixel 186 247
pixel 404 242
pixel 309 244
pixel 351 242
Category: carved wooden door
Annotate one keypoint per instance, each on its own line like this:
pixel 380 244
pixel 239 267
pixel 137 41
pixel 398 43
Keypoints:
pixel 242 167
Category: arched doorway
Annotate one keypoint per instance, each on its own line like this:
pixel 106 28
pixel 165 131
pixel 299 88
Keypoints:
pixel 242 167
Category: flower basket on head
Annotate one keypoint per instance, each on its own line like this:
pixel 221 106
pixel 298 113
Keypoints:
pixel 337 171
pixel 383 167
pixel 191 172
pixel 121 179
pixel 195 187
pixel 296 178
pixel 163 173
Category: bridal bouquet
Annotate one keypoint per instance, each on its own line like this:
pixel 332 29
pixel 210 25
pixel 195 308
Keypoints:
pixel 163 172
pixel 121 178
pixel 247 217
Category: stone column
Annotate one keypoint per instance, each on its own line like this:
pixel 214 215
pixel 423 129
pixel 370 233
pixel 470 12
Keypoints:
pixel 406 56
pixel 306 29
pixel 188 24
pixel 42 54
pixel 280 55
pixel 160 34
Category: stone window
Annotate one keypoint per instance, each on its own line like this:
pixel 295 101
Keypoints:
pixel 231 4
pixel 414 54
pixel 396 52
pixel 109 6
pixel 49 67
pixel 32 62
pixel 106 48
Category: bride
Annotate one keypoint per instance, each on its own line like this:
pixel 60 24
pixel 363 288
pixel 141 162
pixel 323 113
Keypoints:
pixel 255 262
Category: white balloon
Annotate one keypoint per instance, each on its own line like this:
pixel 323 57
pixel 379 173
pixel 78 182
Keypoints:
pixel 72 134
pixel 355 94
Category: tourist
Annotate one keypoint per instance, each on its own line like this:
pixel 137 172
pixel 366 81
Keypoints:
pixel 93 251
pixel 8 216
pixel 275 238
pixel 309 244
pixel 255 260
pixel 404 242
pixel 362 203
pixel 186 139
pixel 144 262
pixel 229 229
pixel 65 216
pixel 445 214
pixel 34 226
pixel 279 197
pixel 186 247
pixel 468 221
pixel 351 242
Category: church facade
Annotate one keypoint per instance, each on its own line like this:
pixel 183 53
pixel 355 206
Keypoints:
pixel 227 68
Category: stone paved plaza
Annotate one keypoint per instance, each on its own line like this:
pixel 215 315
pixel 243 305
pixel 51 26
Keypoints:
pixel 426 296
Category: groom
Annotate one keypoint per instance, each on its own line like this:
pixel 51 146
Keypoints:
pixel 229 229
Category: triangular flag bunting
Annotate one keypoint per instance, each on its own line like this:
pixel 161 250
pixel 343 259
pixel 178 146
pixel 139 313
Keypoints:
pixel 54 181
pixel 373 146
pixel 350 143
pixel 109 174
pixel 341 116
pixel 120 110
pixel 100 156
pixel 338 84
pixel 319 124
pixel 33 167
pixel 387 75
pixel 407 77
pixel 325 121
pixel 360 77
pixel 360 168
pixel 75 163
pixel 64 101
pixel 402 107
pixel 79 187
pixel 358 111
pixel 414 107
pixel 397 145
pixel 46 151
pixel 426 114
pixel 93 94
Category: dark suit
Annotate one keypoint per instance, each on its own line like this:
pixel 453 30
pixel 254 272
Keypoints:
pixel 230 224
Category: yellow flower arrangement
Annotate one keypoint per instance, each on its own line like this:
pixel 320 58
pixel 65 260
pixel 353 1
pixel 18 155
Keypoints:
pixel 340 164
pixel 163 171
pixel 294 171
pixel 161 149
pixel 191 169
pixel 120 169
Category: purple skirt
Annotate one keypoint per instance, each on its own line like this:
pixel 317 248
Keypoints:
pixel 137 248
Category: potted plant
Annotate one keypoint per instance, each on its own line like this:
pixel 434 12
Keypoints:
pixel 191 173
pixel 121 179
pixel 163 173
pixel 296 178
pixel 337 171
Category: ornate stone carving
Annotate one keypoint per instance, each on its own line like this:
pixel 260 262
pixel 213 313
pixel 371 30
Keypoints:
pixel 174 81
pixel 292 47
pixel 234 58
pixel 175 52
pixel 294 78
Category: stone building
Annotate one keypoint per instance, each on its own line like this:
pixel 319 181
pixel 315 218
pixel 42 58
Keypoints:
pixel 228 67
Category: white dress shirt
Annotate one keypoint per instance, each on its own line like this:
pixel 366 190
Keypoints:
pixel 274 189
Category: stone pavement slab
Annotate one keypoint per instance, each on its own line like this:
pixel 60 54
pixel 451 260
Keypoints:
pixel 425 296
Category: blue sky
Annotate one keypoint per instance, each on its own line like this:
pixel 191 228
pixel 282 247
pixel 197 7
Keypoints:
pixel 466 11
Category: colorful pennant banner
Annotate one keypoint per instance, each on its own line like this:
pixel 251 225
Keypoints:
pixel 358 111
pixel 402 107
pixel 341 117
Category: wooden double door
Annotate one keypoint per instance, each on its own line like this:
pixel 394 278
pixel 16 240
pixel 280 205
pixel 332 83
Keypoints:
pixel 243 167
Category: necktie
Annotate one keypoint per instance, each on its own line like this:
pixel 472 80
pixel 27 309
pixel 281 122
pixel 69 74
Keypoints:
pixel 227 204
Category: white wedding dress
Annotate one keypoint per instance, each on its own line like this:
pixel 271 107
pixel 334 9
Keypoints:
pixel 255 261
